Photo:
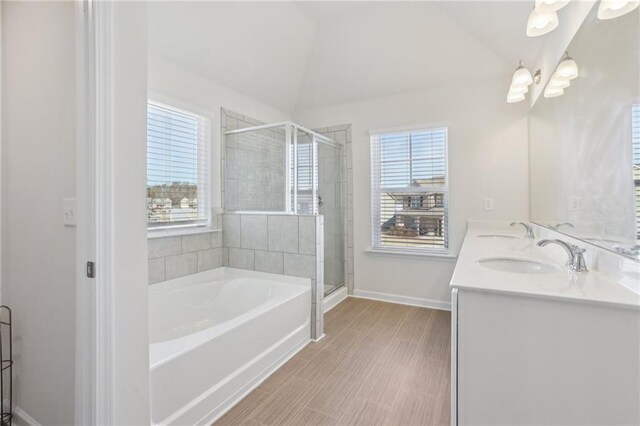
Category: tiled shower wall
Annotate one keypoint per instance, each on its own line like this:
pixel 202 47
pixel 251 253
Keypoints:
pixel 278 244
pixel 274 243
pixel 262 156
pixel 176 256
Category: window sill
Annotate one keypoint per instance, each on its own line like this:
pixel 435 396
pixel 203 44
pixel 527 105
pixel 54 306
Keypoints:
pixel 404 254
pixel 176 232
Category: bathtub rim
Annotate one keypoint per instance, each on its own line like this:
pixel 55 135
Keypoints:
pixel 223 271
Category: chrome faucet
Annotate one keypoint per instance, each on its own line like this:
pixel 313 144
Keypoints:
pixel 527 227
pixel 576 261
pixel 559 225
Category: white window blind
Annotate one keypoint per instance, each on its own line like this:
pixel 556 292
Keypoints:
pixel 635 141
pixel 410 191
pixel 178 167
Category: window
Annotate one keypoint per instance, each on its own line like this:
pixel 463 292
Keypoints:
pixel 410 191
pixel 635 142
pixel 178 161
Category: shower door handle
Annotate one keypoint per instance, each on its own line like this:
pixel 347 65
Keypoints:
pixel 320 201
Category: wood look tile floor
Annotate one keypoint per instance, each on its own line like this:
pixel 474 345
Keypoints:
pixel 379 364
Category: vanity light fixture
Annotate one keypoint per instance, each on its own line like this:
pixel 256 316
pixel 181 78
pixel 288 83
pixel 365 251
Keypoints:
pixel 609 9
pixel 521 77
pixel 544 6
pixel 541 23
pixel 567 68
pixel 520 83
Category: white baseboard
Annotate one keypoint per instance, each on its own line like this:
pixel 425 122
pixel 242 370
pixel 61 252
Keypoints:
pixel 20 417
pixel 403 300
pixel 334 298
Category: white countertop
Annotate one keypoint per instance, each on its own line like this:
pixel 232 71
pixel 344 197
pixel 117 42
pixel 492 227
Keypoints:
pixel 590 287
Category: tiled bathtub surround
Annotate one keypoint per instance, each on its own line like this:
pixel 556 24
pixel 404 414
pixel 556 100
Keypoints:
pixel 176 256
pixel 279 244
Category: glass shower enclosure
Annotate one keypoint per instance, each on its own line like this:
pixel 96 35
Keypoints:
pixel 287 169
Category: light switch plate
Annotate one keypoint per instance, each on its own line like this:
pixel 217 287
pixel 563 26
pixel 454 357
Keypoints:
pixel 69 211
pixel 488 204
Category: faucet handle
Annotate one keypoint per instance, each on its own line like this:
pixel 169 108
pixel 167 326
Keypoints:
pixel 577 249
pixel 577 262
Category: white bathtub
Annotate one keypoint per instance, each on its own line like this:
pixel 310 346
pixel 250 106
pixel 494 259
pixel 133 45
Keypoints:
pixel 217 334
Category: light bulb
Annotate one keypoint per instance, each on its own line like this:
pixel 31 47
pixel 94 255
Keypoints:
pixel 552 92
pixel 567 69
pixel 559 82
pixel 522 77
pixel 541 23
pixel 610 9
pixel 545 6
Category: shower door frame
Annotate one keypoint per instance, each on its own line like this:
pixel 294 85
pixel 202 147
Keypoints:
pixel 291 141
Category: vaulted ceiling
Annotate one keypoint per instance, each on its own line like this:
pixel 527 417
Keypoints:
pixel 300 55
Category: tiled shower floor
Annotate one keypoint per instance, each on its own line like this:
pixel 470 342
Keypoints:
pixel 379 364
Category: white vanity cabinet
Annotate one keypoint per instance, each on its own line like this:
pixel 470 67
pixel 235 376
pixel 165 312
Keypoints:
pixel 530 360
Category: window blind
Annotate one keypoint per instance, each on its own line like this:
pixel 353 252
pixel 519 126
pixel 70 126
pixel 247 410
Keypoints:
pixel 635 143
pixel 178 167
pixel 410 190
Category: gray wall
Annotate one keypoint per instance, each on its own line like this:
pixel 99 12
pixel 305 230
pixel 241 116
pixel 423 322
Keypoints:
pixel 38 171
pixel 176 256
pixel 278 244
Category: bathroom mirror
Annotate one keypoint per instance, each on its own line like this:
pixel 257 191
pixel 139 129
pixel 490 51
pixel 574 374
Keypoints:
pixel 585 144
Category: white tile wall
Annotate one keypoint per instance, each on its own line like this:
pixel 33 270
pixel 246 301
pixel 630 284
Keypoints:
pixel 306 235
pixel 283 233
pixel 269 261
pixel 253 232
pixel 156 270
pixel 300 265
pixel 162 247
pixel 177 256
pixel 293 247
pixel 231 231
pixel 181 265
pixel 241 258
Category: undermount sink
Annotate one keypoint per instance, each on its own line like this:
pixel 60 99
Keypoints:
pixel 518 266
pixel 498 236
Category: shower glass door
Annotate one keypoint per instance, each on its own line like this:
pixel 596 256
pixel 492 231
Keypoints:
pixel 330 202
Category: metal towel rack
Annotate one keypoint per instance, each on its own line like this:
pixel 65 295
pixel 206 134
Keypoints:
pixel 6 361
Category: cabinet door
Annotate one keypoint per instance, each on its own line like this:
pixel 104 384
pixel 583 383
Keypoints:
pixel 524 360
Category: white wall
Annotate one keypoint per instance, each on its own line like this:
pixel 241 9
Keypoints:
pixel 488 158
pixel 172 84
pixel 130 297
pixel 38 167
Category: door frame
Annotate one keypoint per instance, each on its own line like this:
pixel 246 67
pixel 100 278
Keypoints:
pixel 94 394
